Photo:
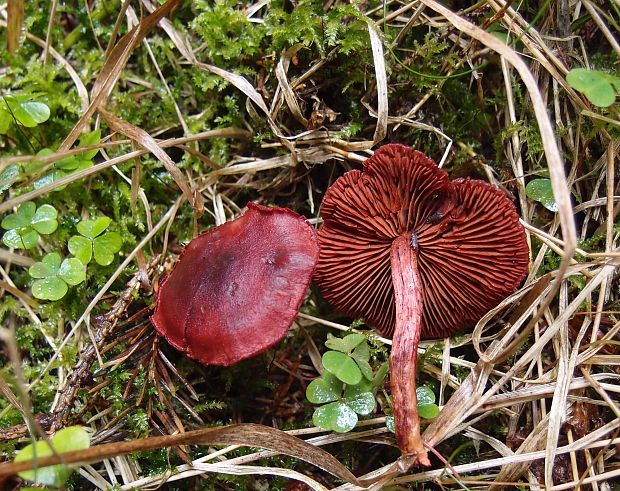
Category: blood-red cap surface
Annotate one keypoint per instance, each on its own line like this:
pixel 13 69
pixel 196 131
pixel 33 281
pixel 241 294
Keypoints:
pixel 472 250
pixel 236 289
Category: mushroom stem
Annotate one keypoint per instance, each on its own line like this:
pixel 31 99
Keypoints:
pixel 404 356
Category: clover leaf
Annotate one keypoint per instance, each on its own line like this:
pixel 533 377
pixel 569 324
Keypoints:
pixel 427 409
pixel 349 357
pixel 361 355
pixel 9 174
pixel 346 344
pixel 68 165
pixel 335 416
pixel 540 190
pixel 348 385
pixel 66 440
pixel 24 226
pixel 23 110
pixel 342 366
pixel 360 398
pixel 340 414
pixel 599 87
pixel 92 241
pixel 31 113
pixel 326 388
pixel 53 277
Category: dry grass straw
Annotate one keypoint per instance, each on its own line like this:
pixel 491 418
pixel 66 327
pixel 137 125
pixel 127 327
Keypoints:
pixel 536 383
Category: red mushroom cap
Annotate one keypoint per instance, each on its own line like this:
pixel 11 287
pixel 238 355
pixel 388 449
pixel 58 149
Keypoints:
pixel 471 247
pixel 236 289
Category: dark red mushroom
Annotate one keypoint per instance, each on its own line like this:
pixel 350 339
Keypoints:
pixel 417 256
pixel 237 288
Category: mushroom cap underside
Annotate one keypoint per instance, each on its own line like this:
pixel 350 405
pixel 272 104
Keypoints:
pixel 472 250
pixel 237 288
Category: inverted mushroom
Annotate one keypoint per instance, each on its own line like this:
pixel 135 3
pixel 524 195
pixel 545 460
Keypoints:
pixel 418 256
pixel 237 288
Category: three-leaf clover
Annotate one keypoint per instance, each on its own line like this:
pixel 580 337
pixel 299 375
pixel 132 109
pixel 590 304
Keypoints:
pixel 53 277
pixel 24 226
pixel 599 87
pixel 93 241
pixel 340 412
pixel 68 165
pixel 348 358
pixel 65 440
pixel 347 386
pixel 427 409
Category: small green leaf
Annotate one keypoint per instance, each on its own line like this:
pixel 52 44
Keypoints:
pixel 44 220
pixel 5 121
pixel 361 352
pixel 362 404
pixel 335 416
pixel 602 94
pixel 581 78
pixel 26 211
pixel 22 216
pixel 425 395
pixel 93 228
pixel 91 138
pixel 379 377
pixel 52 259
pixel 346 344
pixel 29 238
pixel 596 86
pixel 55 475
pixel 51 288
pixel 53 276
pixel 105 246
pixel 20 238
pixel 11 238
pixel 48 178
pixel 70 439
pixel 326 388
pixel 31 113
pixel 81 248
pixel 72 271
pixel 365 368
pixel 7 176
pixel 48 266
pixel 68 163
pixel 342 366
pixel 389 424
pixel 65 440
pixel 353 390
pixel 540 190
pixel 428 411
pixel 361 355
pixel 26 223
